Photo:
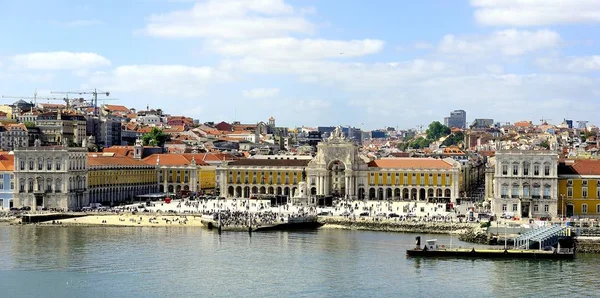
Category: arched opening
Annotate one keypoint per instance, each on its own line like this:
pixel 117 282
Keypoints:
pixel 230 191
pixel 279 190
pixel 388 193
pixel 186 187
pixel 247 192
pixel 271 190
pixel 170 188
pixel 361 193
pixel 313 191
pixel 371 193
pixel 439 193
pixel 254 190
pixel 336 171
pixel 178 188
pixel 447 193
pixel 286 191
pixel 396 194
pixel 430 193
pixel 422 194
pixel 380 194
pixel 405 194
pixel 263 190
pixel 238 191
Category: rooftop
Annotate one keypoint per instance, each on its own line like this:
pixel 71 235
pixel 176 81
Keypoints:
pixel 271 162
pixel 410 163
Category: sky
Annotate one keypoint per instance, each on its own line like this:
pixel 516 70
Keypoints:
pixel 369 64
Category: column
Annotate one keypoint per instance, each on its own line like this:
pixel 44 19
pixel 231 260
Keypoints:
pixel 352 186
pixel 327 184
pixel 347 184
pixel 318 185
pixel 322 184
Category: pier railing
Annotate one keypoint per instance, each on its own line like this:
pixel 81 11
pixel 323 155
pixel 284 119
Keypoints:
pixel 543 237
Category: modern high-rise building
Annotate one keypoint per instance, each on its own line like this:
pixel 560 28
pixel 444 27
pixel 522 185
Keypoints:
pixel 458 119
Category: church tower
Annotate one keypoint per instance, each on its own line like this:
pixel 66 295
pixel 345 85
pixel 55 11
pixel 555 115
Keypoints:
pixel 138 149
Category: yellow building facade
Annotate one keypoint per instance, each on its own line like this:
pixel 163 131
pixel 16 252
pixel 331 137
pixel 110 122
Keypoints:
pixel 183 173
pixel 114 178
pixel 579 188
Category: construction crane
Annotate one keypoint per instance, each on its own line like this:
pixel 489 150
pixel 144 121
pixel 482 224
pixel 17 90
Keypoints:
pixel 35 98
pixel 93 93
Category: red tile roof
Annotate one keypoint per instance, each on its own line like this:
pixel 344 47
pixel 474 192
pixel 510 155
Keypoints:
pixel 112 159
pixel 7 162
pixel 116 108
pixel 175 159
pixel 410 163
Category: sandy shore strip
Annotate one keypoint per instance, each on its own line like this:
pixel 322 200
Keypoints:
pixel 137 220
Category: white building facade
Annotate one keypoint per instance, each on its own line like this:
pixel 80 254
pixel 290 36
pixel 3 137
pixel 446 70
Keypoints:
pixel 51 177
pixel 525 184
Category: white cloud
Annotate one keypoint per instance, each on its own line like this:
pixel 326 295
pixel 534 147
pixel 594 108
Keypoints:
pixel 79 23
pixel 535 12
pixel 59 60
pixel 175 80
pixel 296 49
pixel 261 93
pixel 230 19
pixel 422 45
pixel 570 64
pixel 505 42
pixel 494 68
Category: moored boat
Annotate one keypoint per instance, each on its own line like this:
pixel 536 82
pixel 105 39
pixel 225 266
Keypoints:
pixel 432 249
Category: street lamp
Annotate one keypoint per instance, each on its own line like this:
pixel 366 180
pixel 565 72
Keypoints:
pixel 562 204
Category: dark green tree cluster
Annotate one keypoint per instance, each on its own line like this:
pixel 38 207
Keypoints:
pixel 156 137
pixel 544 144
pixel 454 139
pixel 435 131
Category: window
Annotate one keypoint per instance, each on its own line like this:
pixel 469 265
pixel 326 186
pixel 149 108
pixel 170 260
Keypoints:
pixel 526 190
pixel 49 165
pixel 584 208
pixel 569 182
pixel 22 165
pixel 536 191
pixel 569 192
pixel 49 185
pixel 546 208
pixel 536 170
pixel 598 208
pixel 12 185
pixel 504 208
pixel 598 192
pixel 584 183
pixel 546 191
pixel 535 208
pixel 515 191
pixel 546 170
pixel 504 169
pixel 515 169
pixel 58 162
pixel 372 179
pixel 1 184
pixel 526 166
pixel 22 185
pixel 504 191
pixel 584 192
pixel 30 185
pixel 31 165
pixel 515 208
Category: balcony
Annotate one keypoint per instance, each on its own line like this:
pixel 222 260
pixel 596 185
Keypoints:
pixel 536 197
pixel 504 196
pixel 547 197
pixel 514 196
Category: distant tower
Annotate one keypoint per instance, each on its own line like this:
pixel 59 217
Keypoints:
pixel 272 122
pixel 138 149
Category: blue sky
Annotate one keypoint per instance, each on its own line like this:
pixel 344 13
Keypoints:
pixel 313 62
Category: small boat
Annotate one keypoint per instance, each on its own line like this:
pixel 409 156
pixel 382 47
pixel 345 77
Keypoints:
pixel 432 249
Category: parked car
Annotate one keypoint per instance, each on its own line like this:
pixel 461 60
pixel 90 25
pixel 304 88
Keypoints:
pixel 364 214
pixel 393 215
pixel 381 215
pixel 324 213
pixel 346 213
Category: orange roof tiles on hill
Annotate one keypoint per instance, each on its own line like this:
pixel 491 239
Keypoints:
pixel 587 167
pixel 175 128
pixel 410 163
pixel 116 108
pixel 174 159
pixel 522 124
pixel 7 162
pixel 112 159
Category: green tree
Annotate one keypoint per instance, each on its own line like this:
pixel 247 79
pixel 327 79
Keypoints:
pixel 437 130
pixel 29 124
pixel 545 144
pixel 454 139
pixel 420 143
pixel 156 137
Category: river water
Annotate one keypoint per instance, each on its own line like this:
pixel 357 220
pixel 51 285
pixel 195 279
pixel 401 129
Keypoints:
pixel 38 261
